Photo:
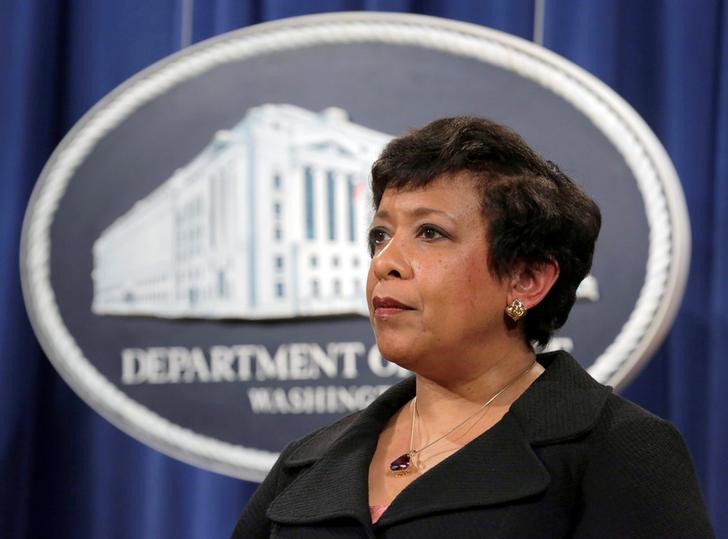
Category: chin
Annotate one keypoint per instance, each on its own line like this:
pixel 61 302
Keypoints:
pixel 398 353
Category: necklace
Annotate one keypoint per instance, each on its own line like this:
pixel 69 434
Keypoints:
pixel 403 464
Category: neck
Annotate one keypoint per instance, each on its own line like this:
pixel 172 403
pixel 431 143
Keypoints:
pixel 443 402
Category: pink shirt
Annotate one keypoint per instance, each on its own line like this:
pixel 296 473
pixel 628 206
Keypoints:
pixel 376 512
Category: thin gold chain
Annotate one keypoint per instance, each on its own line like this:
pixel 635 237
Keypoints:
pixel 412 451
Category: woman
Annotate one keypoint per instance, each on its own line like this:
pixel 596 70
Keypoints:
pixel 478 246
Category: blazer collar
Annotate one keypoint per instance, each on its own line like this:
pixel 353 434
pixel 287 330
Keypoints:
pixel 336 484
pixel 497 467
pixel 563 403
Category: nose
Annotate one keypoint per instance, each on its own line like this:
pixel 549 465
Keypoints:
pixel 392 262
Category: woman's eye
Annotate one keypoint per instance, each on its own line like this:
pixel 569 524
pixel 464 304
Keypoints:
pixel 377 237
pixel 430 232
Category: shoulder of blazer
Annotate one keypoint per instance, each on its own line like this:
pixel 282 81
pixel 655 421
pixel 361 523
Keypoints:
pixel 621 418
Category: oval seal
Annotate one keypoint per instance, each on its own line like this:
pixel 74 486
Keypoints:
pixel 193 255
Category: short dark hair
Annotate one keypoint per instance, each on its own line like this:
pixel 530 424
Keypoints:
pixel 534 212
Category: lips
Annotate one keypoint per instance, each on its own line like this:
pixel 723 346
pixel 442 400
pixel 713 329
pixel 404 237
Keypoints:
pixel 384 307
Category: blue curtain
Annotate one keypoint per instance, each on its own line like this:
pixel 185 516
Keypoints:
pixel 66 472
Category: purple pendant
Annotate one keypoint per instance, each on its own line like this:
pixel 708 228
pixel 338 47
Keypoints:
pixel 400 464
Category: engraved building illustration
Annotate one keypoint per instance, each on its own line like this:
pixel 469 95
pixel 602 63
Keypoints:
pixel 268 221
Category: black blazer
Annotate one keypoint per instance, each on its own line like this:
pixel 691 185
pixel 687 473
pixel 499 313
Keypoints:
pixel 569 459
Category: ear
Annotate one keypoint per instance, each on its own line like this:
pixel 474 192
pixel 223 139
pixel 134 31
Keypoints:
pixel 530 284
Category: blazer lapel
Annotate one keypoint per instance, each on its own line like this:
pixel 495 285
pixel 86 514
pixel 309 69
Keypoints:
pixel 333 487
pixel 495 468
pixel 336 484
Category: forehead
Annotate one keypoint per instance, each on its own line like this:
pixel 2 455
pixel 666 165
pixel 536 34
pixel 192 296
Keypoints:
pixel 457 195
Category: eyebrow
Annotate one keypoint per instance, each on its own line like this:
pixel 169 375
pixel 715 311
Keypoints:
pixel 416 212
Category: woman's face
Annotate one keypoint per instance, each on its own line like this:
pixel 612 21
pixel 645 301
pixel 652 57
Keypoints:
pixel 430 294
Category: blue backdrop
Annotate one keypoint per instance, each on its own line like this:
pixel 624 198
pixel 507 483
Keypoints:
pixel 66 472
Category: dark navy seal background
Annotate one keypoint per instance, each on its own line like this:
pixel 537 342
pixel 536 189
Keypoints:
pixel 158 139
pixel 59 459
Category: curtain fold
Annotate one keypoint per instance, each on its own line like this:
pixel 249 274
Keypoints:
pixel 66 472
pixel 717 401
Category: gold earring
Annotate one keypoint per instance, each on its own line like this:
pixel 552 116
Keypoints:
pixel 516 310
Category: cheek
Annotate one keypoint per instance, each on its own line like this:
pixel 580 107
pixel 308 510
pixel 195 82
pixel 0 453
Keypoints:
pixel 467 284
pixel 449 285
